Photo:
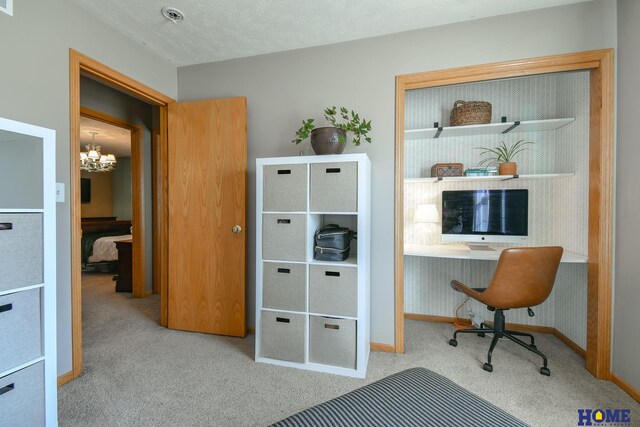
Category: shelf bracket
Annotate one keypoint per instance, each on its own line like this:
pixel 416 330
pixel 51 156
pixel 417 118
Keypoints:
pixel 511 177
pixel 439 131
pixel 512 127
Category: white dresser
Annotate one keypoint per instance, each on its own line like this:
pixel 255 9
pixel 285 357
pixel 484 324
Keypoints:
pixel 312 314
pixel 28 378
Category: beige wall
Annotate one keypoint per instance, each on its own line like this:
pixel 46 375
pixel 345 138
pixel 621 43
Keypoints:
pixel 101 195
pixel 35 89
pixel 626 339
pixel 284 88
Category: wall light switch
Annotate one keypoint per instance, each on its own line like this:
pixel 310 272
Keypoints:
pixel 59 192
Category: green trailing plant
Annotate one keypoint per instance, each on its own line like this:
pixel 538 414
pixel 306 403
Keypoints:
pixel 503 153
pixel 348 121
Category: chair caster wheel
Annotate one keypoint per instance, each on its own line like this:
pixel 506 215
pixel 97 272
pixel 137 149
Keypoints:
pixel 487 367
pixel 481 334
pixel 545 371
pixel 453 343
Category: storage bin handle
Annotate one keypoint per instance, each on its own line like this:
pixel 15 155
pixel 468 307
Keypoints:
pixel 6 226
pixel 5 307
pixel 283 320
pixel 284 221
pixel 330 326
pixel 333 170
pixel 284 171
pixel 7 388
pixel 332 273
pixel 284 270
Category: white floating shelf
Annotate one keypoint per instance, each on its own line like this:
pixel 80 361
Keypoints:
pixel 491 178
pixel 487 129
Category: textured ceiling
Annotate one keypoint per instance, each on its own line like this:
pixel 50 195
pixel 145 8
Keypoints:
pixel 111 139
pixel 215 30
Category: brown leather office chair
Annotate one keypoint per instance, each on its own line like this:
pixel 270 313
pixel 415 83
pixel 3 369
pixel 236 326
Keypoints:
pixel 524 277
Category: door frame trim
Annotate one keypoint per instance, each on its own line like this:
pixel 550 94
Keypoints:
pixel 137 195
pixel 82 64
pixel 601 172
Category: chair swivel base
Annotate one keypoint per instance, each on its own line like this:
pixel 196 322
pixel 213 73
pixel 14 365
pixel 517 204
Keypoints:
pixel 498 332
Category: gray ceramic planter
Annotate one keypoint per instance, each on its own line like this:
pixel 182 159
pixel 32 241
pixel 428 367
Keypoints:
pixel 326 140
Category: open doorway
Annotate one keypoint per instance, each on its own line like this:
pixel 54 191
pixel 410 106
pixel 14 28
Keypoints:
pixel 83 67
pixel 106 199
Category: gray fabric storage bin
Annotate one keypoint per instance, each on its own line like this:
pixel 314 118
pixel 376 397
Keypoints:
pixel 20 334
pixel 282 336
pixel 284 237
pixel 332 341
pixel 284 188
pixel 22 397
pixel 21 249
pixel 334 187
pixel 284 286
pixel 333 290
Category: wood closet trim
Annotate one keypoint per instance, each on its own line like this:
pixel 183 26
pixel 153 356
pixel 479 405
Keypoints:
pixel 601 172
pixel 82 64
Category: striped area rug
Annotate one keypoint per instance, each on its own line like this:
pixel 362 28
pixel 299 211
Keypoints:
pixel 415 397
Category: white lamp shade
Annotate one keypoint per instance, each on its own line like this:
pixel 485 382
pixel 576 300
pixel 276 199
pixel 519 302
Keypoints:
pixel 111 158
pixel 93 154
pixel 426 213
pixel 103 159
pixel 83 156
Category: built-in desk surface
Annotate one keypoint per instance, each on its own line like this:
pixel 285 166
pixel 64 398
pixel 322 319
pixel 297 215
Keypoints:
pixel 463 252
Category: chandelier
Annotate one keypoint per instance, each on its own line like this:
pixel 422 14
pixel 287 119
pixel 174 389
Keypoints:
pixel 93 161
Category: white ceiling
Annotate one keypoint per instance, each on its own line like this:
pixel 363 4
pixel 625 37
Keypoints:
pixel 215 30
pixel 111 139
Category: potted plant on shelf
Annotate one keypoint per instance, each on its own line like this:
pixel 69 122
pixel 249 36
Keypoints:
pixel 332 139
pixel 504 155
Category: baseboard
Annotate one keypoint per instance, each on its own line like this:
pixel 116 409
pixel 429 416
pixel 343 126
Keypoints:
pixel 428 318
pixel 386 348
pixel 515 326
pixel 635 394
pixel 65 378
pixel 573 346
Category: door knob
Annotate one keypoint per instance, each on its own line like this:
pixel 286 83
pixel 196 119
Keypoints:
pixel 236 229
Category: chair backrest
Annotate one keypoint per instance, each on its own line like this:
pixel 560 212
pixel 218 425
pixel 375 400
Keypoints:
pixel 524 277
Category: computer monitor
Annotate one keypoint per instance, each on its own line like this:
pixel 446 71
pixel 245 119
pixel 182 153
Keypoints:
pixel 485 216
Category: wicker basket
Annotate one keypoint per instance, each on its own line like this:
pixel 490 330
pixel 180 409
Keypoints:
pixel 470 113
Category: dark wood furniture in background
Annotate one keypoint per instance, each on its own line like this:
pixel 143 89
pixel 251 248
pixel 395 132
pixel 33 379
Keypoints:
pixel 100 225
pixel 123 279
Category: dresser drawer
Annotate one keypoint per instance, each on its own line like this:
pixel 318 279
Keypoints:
pixel 20 250
pixel 20 325
pixel 333 290
pixel 285 188
pixel 332 341
pixel 284 286
pixel 282 336
pixel 334 187
pixel 284 237
pixel 22 397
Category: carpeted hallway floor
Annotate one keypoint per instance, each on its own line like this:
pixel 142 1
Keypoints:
pixel 137 373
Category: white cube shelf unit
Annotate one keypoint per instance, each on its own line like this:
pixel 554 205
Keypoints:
pixel 312 314
pixel 28 378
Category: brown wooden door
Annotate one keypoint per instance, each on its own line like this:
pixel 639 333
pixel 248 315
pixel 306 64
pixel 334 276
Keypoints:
pixel 207 163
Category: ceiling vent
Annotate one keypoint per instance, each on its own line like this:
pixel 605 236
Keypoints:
pixel 171 13
pixel 6 6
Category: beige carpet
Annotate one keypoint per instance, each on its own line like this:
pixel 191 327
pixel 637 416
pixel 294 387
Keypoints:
pixel 137 373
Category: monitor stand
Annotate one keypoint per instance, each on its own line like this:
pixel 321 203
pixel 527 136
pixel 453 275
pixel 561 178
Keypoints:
pixel 481 248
